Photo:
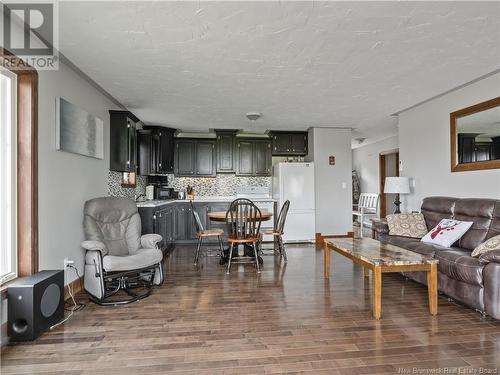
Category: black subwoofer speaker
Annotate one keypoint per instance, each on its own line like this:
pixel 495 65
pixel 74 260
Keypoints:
pixel 35 303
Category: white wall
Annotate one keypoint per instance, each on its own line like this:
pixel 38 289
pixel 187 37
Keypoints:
pixel 365 160
pixel 66 180
pixel 424 145
pixel 333 200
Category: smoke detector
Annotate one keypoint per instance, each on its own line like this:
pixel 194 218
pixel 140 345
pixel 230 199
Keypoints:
pixel 252 116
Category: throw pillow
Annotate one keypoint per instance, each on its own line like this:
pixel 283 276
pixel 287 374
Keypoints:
pixel 407 225
pixel 492 244
pixel 447 232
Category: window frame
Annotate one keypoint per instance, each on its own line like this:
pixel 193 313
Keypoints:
pixel 13 138
pixel 27 169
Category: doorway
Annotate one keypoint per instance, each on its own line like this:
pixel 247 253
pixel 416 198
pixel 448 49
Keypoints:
pixel 388 167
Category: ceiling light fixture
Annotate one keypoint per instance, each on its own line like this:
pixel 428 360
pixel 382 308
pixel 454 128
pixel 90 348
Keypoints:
pixel 252 116
pixel 360 140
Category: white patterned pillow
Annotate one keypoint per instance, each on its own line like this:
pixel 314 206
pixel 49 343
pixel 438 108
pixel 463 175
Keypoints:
pixel 407 225
pixel 492 244
pixel 447 232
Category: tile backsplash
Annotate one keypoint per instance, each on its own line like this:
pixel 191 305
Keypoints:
pixel 221 185
pixel 116 189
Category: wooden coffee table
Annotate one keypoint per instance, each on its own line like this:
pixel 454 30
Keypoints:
pixel 383 258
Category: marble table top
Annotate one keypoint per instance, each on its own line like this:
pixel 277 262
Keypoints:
pixel 377 253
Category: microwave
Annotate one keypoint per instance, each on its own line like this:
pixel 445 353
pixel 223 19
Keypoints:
pixel 163 192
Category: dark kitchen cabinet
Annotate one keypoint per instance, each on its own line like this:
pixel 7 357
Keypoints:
pixel 195 157
pixel 262 158
pixel 159 220
pixel 245 151
pixel 145 164
pixel 289 143
pixel 162 222
pixel 123 141
pixel 182 231
pixel 155 150
pixel 254 157
pixel 226 154
pixel 165 146
pixel 184 157
pixel 205 158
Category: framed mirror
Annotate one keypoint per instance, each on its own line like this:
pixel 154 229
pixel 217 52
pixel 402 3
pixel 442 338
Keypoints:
pixel 475 137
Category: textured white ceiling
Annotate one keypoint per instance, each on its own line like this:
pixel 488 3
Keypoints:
pixel 201 65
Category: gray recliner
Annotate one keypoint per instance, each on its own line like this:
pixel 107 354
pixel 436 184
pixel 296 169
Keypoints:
pixel 117 257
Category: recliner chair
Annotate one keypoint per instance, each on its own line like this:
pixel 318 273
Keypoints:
pixel 117 257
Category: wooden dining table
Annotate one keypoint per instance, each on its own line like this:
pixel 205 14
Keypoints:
pixel 220 216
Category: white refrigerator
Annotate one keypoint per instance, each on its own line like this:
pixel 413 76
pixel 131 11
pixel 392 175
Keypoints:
pixel 295 182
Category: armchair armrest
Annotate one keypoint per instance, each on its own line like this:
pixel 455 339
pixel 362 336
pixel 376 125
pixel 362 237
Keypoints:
pixel 380 226
pixel 150 241
pixel 492 256
pixel 95 245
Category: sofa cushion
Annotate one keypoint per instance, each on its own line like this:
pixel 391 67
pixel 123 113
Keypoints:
pixel 404 242
pixel 436 209
pixel 480 212
pixel 447 232
pixel 143 258
pixel 407 225
pixel 489 245
pixel 459 265
pixel 494 229
pixel 430 249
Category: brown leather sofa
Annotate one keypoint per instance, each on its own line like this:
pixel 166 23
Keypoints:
pixel 472 281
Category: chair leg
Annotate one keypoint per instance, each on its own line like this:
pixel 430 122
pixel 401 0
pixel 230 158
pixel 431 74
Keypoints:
pixel 221 248
pixel 197 254
pixel 256 257
pixel 230 258
pixel 361 226
pixel 282 249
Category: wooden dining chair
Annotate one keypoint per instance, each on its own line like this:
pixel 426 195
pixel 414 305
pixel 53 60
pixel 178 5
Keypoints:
pixel 202 233
pixel 278 231
pixel 243 218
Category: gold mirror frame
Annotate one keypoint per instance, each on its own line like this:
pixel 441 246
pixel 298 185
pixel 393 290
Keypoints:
pixel 478 165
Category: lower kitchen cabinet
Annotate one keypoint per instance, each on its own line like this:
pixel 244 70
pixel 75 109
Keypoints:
pixel 175 222
pixel 159 220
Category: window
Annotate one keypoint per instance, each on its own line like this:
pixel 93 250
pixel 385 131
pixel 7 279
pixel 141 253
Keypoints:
pixel 8 173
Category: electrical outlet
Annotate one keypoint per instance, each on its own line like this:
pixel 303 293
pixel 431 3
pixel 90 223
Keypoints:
pixel 68 262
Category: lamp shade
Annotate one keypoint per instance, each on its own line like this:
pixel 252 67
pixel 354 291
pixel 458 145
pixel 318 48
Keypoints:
pixel 397 185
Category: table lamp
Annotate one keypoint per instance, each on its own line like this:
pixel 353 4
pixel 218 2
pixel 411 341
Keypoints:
pixel 397 185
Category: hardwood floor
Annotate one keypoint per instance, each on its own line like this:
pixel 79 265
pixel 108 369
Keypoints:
pixel 202 321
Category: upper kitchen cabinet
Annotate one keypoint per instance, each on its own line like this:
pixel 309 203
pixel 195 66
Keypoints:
pixel 155 150
pixel 226 154
pixel 195 157
pixel 289 143
pixel 254 157
pixel 123 138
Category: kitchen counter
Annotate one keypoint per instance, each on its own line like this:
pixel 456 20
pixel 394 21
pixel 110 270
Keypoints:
pixel 156 203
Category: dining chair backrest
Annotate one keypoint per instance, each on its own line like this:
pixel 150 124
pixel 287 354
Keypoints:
pixel 243 217
pixel 197 222
pixel 280 224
